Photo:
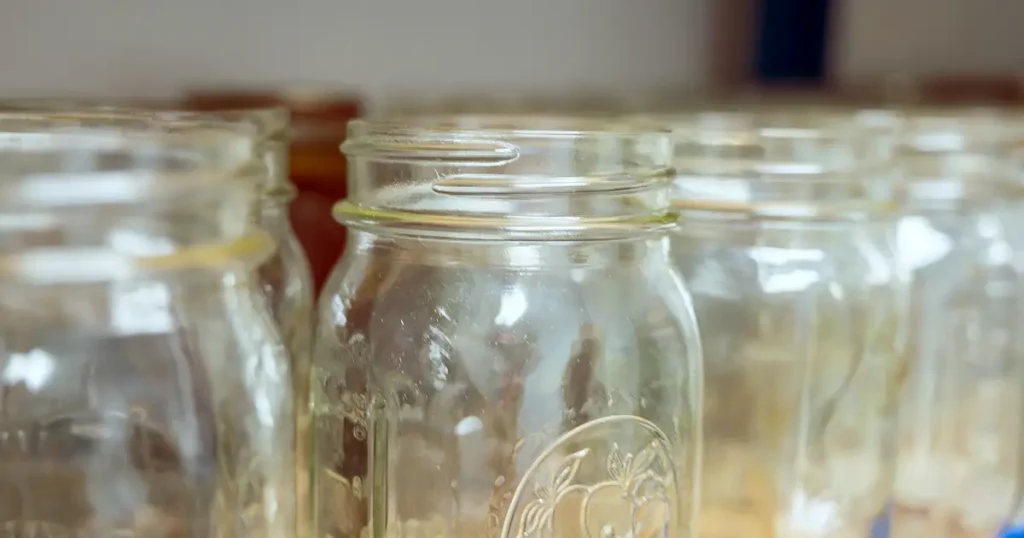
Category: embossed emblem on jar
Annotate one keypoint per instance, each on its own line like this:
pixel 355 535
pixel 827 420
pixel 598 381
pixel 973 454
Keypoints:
pixel 609 478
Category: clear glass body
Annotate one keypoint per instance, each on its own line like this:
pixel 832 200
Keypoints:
pixel 961 414
pixel 317 167
pixel 145 391
pixel 784 246
pixel 287 282
pixel 284 276
pixel 504 349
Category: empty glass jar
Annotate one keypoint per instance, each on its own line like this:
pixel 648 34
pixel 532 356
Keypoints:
pixel 959 472
pixel 143 388
pixel 784 245
pixel 504 348
pixel 284 276
pixel 317 167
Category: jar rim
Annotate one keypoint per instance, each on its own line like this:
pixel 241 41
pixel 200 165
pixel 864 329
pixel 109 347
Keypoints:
pixel 709 124
pixel 267 131
pixel 125 125
pixel 513 176
pixel 268 121
pixel 508 126
pixel 776 163
pixel 71 160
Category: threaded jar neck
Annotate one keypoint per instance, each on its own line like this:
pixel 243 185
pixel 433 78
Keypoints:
pixel 507 177
pixel 785 166
pixel 85 200
pixel 270 129
pixel 955 160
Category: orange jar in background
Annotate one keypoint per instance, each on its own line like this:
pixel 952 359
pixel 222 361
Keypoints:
pixel 317 167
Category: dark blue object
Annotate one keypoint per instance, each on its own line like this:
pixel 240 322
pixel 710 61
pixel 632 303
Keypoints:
pixel 793 41
pixel 1013 531
pixel 880 528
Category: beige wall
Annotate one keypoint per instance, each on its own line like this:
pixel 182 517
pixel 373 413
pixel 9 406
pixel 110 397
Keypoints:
pixel 153 47
pixel 879 37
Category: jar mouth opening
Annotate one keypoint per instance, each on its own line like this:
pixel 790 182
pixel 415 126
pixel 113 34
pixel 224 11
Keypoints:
pixel 61 160
pixel 506 103
pixel 269 122
pixel 784 188
pixel 502 126
pixel 128 124
pixel 521 175
pixel 826 123
pixel 819 148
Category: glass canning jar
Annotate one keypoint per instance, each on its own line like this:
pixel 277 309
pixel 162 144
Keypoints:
pixel 785 245
pixel 284 276
pixel 287 282
pixel 504 349
pixel 317 168
pixel 144 390
pixel 959 471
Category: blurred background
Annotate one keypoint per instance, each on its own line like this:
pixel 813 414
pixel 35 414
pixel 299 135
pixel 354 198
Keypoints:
pixel 392 51
pixel 328 61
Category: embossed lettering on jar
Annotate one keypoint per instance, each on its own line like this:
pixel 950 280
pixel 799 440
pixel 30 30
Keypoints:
pixel 504 350
pixel 783 244
pixel 144 390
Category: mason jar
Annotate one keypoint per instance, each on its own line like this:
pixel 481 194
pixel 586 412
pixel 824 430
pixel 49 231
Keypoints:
pixel 785 243
pixel 144 390
pixel 284 276
pixel 1013 224
pixel 316 167
pixel 959 472
pixel 504 348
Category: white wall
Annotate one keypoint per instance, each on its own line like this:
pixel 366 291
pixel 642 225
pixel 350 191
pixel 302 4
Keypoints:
pixel 920 37
pixel 151 48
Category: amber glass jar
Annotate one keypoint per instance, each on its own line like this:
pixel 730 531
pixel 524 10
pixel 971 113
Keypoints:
pixel 317 165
